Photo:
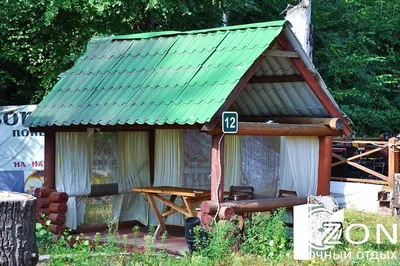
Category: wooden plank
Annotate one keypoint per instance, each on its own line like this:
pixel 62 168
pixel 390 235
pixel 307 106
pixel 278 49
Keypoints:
pixel 161 224
pixel 114 128
pixel 313 83
pixel 280 53
pixel 359 156
pixel 192 201
pixel 188 192
pixel 363 168
pixel 172 205
pixel 275 79
pixel 324 165
pixel 188 206
pixel 217 168
pixel 393 161
pixel 359 180
pixel 369 171
pixel 264 129
pixel 50 160
pixel 360 142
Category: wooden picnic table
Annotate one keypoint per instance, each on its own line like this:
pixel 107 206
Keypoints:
pixel 189 197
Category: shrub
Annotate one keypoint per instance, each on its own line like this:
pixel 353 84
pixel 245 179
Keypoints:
pixel 266 235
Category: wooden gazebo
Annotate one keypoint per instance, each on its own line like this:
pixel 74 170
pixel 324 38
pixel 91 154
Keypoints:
pixel 175 80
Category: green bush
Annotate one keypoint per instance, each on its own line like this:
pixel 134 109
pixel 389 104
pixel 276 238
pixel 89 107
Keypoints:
pixel 266 235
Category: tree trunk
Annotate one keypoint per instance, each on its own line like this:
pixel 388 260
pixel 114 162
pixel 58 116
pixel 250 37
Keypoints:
pixel 17 229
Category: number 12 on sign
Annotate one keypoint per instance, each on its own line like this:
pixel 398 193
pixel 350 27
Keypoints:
pixel 230 122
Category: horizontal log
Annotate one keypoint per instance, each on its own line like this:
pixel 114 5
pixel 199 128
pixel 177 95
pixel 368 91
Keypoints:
pixel 334 123
pixel 44 211
pixel 101 190
pixel 43 192
pixel 359 180
pixel 226 213
pixel 205 221
pixel 57 218
pixel 43 203
pixel 256 205
pixel 58 207
pixel 56 229
pixel 264 129
pixel 58 197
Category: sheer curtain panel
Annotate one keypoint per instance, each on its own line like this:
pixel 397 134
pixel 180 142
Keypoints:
pixel 233 161
pixel 133 171
pixel 169 161
pixel 299 171
pixel 74 158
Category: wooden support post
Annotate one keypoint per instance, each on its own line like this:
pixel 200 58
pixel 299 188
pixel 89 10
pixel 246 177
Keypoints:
pixel 217 168
pixel 393 161
pixel 50 159
pixel 152 145
pixel 324 165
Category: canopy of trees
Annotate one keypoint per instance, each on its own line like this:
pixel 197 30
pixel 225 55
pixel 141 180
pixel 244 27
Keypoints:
pixel 356 43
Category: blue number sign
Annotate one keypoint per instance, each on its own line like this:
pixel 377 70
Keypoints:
pixel 230 122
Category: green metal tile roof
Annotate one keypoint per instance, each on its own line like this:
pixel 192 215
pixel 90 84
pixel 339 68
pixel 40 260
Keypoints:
pixel 154 78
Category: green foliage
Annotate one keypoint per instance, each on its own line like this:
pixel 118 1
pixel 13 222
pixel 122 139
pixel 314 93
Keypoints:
pixel 356 49
pixel 222 239
pixel 266 235
pixel 43 235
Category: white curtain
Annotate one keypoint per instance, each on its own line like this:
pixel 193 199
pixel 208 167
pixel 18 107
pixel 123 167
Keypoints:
pixel 299 165
pixel 133 171
pixel 74 158
pixel 169 164
pixel 233 161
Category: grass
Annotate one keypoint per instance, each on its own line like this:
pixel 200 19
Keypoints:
pixel 223 251
pixel 98 210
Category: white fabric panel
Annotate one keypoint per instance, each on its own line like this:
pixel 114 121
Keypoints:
pixel 133 171
pixel 285 173
pixel 233 161
pixel 74 157
pixel 169 164
pixel 299 171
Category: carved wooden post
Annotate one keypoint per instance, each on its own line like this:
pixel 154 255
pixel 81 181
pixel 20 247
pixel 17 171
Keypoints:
pixel 17 229
pixel 324 165
pixel 50 159
pixel 217 168
pixel 393 161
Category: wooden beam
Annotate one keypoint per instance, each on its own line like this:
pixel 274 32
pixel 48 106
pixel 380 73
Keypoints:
pixel 276 79
pixel 313 83
pixel 50 159
pixel 393 160
pixel 363 168
pixel 101 190
pixel 236 91
pixel 217 168
pixel 359 180
pixel 346 160
pixel 152 150
pixel 263 129
pixel 255 205
pixel 324 165
pixel 115 128
pixel 335 123
pixel 280 53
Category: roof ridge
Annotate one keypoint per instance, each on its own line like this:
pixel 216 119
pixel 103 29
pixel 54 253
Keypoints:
pixel 156 34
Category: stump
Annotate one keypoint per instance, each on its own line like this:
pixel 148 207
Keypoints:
pixel 17 229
